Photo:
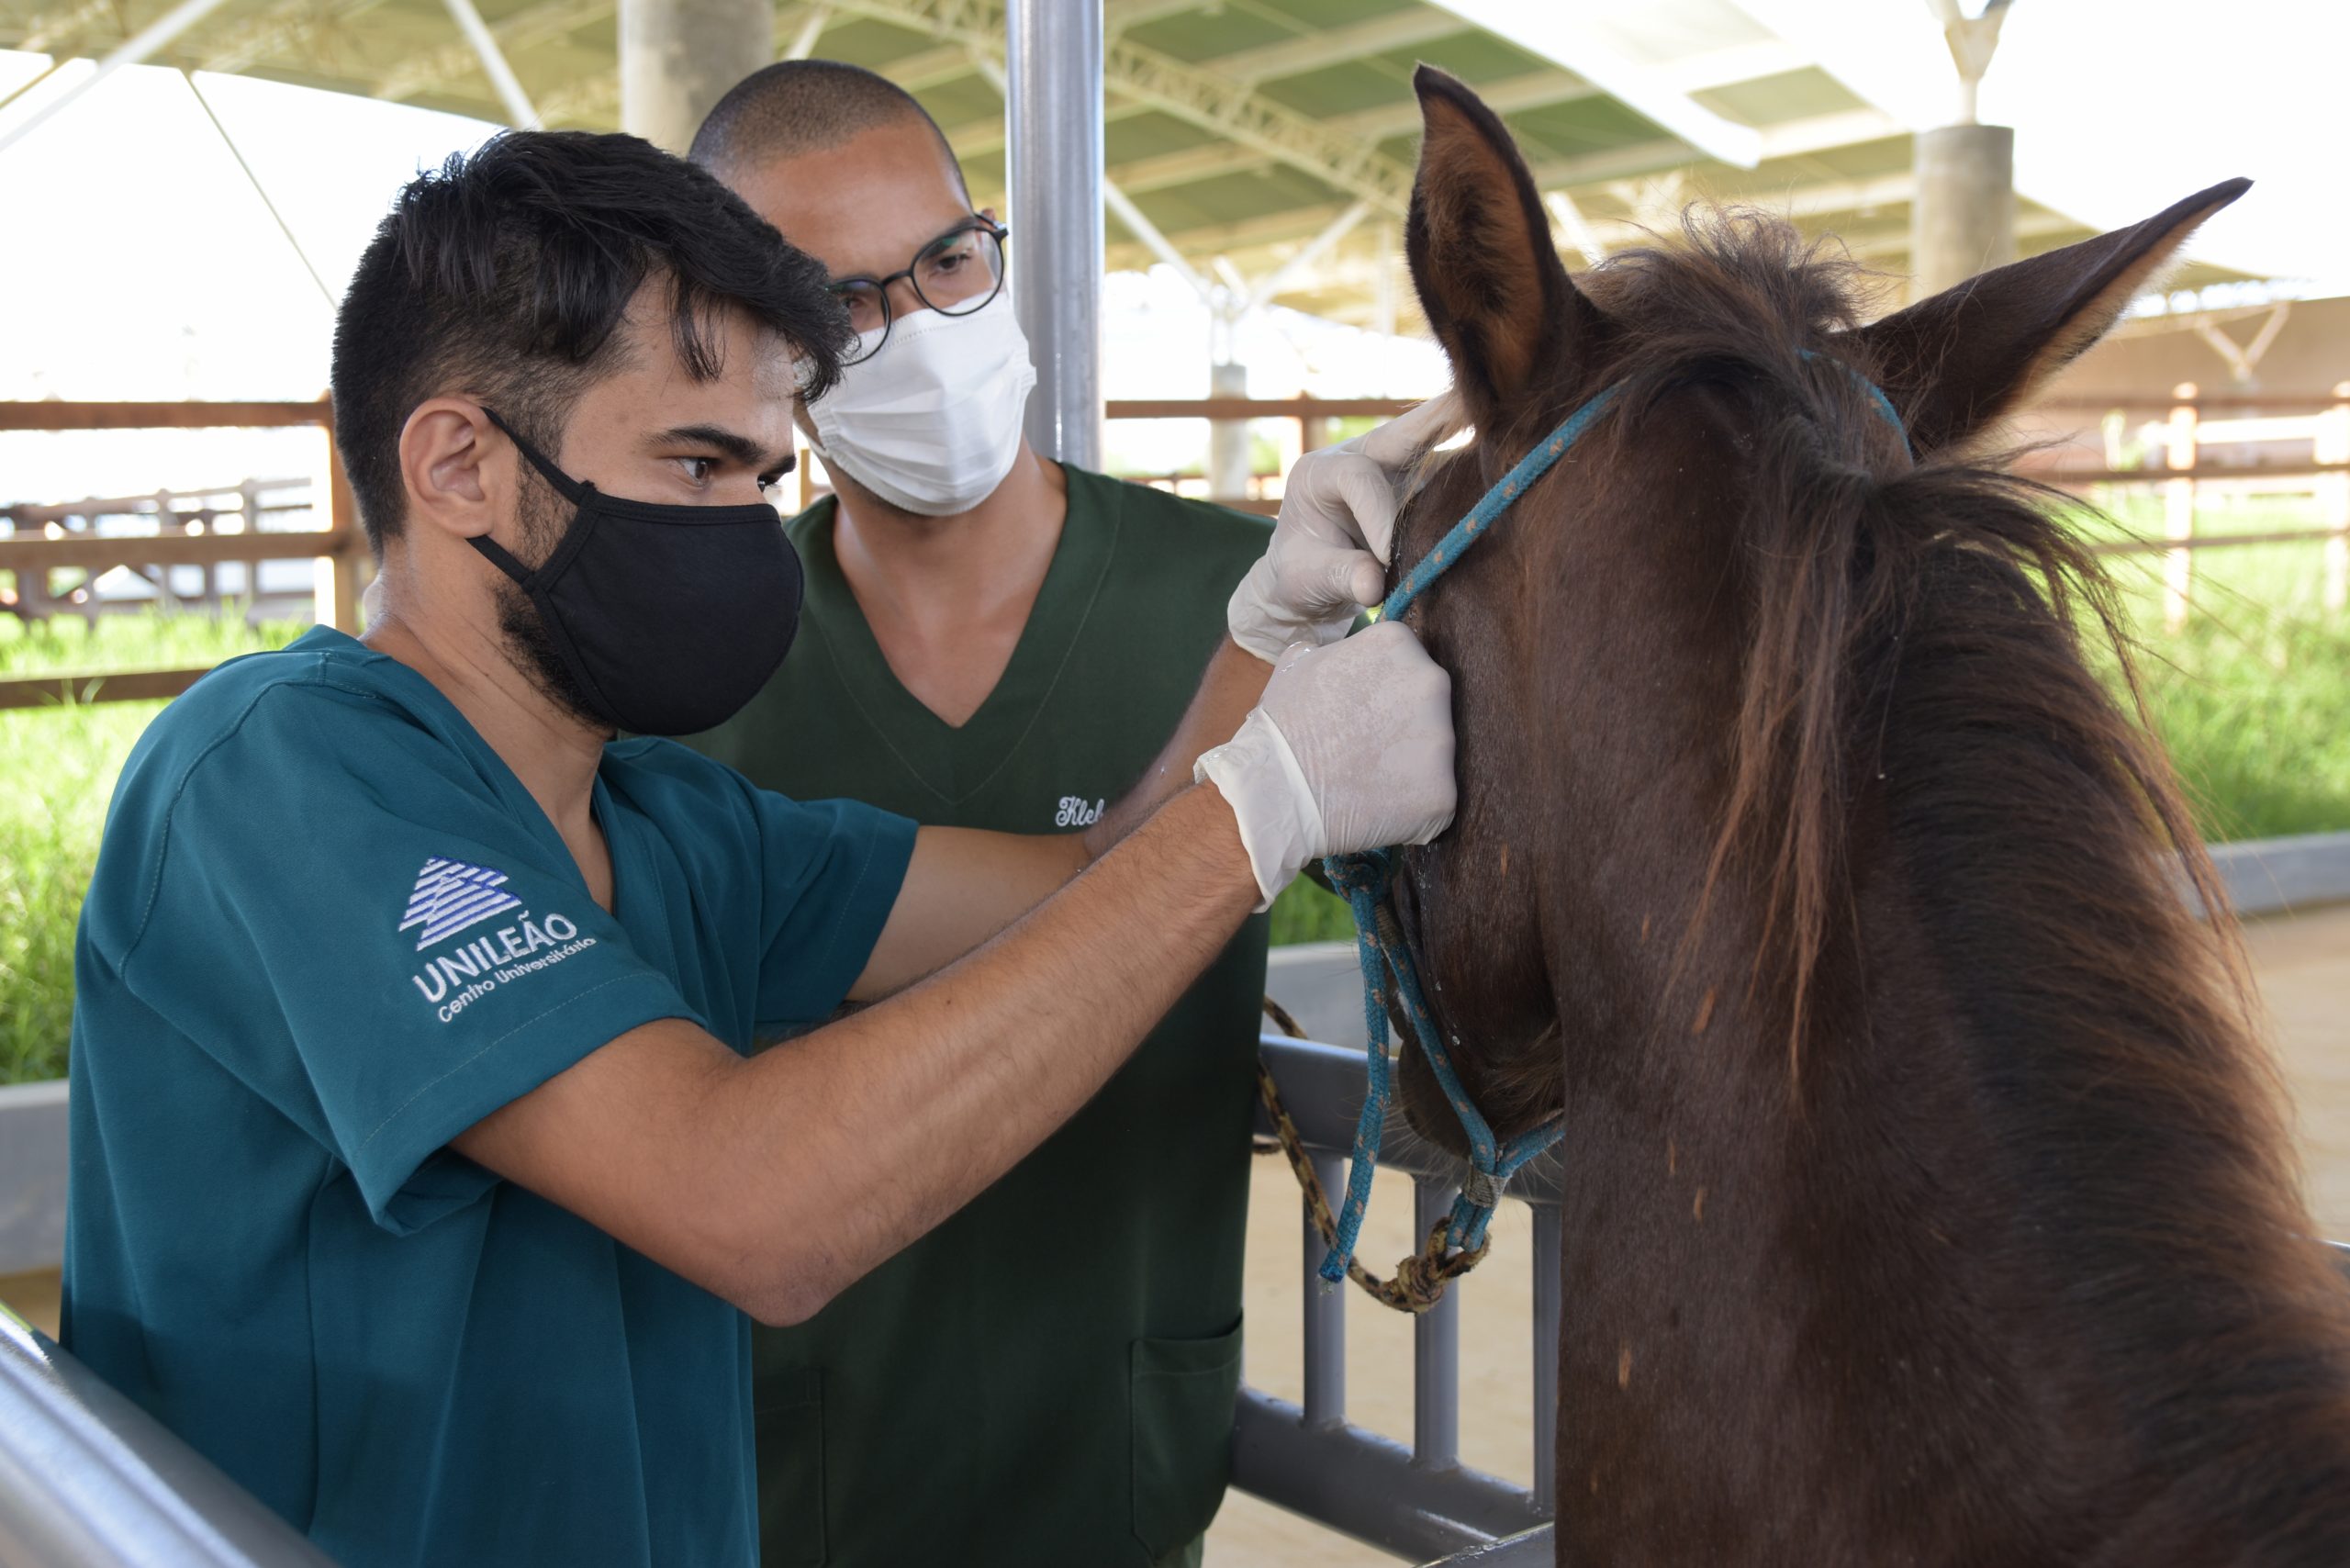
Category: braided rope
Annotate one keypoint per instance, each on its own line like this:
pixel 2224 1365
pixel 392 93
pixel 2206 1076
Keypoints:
pixel 1419 1280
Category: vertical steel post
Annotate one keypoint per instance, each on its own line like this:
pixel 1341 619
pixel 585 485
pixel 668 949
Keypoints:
pixel 1053 151
pixel 1325 1315
pixel 1436 1346
pixel 1547 1289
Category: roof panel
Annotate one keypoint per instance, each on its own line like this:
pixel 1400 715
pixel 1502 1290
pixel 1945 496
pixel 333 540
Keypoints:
pixel 1252 191
pixel 1772 100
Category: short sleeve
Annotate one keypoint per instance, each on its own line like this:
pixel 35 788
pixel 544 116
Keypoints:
pixel 367 931
pixel 832 870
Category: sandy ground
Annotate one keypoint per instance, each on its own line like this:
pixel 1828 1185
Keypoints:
pixel 2304 970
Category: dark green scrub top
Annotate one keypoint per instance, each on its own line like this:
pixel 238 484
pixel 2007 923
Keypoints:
pixel 330 931
pixel 1048 1377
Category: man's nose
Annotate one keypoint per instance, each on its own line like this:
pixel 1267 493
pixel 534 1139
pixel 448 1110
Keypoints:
pixel 903 299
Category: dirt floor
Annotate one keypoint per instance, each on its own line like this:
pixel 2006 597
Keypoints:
pixel 2304 970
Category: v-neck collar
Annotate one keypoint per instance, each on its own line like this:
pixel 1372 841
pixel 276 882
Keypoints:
pixel 954 762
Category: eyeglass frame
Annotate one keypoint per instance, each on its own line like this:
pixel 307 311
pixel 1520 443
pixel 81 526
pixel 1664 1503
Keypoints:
pixel 978 223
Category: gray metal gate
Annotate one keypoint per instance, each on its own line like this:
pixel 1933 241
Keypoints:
pixel 1417 1501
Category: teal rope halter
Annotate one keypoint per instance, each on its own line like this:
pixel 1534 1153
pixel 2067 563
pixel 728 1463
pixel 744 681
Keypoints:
pixel 1363 880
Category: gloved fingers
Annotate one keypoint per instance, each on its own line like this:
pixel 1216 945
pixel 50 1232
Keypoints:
pixel 1344 577
pixel 1394 443
pixel 1366 493
pixel 1291 654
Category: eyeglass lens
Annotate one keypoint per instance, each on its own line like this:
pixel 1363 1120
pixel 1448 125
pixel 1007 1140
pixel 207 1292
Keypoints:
pixel 954 275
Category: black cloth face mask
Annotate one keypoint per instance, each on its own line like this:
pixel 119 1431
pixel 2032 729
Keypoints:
pixel 670 618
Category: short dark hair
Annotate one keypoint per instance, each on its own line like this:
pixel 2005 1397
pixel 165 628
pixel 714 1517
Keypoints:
pixel 506 272
pixel 807 106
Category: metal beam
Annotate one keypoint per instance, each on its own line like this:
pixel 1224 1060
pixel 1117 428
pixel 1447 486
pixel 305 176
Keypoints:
pixel 1144 230
pixel 1316 248
pixel 1408 28
pixel 811 29
pixel 1194 95
pixel 1535 89
pixel 155 35
pixel 1053 67
pixel 1565 35
pixel 286 28
pixel 65 27
pixel 523 30
pixel 519 111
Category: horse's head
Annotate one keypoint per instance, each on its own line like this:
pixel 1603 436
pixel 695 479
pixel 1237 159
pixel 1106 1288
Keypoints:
pixel 1665 655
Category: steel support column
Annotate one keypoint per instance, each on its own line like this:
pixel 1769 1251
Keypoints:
pixel 677 58
pixel 1053 57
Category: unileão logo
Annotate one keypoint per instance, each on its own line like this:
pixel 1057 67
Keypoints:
pixel 450 896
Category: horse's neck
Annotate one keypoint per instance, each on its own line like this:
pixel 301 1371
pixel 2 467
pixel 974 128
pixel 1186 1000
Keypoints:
pixel 1914 1291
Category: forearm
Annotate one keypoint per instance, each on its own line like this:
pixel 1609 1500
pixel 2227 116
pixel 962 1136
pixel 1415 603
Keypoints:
pixel 1233 681
pixel 856 1139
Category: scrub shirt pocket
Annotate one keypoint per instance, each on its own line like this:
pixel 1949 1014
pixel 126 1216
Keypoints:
pixel 1183 1392
pixel 789 1424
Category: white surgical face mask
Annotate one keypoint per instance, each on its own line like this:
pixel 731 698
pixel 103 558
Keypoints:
pixel 930 424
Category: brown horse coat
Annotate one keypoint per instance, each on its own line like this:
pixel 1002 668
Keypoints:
pixel 1926 1193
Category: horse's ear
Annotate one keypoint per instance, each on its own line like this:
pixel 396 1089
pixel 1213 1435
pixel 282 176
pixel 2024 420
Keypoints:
pixel 1957 363
pixel 1480 247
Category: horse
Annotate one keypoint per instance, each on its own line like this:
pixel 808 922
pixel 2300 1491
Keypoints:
pixel 1927 1191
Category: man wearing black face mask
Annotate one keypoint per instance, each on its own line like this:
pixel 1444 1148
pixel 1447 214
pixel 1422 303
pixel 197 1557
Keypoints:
pixel 418 1171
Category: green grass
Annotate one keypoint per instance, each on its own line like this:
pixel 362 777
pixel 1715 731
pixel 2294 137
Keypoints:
pixel 56 773
pixel 144 641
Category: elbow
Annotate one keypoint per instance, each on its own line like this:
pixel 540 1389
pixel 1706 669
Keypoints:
pixel 783 1284
pixel 782 1304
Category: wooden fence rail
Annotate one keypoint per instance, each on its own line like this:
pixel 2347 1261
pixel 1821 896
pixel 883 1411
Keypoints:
pixel 341 554
pixel 340 550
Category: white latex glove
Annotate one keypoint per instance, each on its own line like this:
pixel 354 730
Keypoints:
pixel 1325 564
pixel 1350 748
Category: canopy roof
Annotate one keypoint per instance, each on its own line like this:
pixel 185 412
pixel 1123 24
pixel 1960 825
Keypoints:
pixel 1268 143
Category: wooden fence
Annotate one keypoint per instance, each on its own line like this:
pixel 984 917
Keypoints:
pixel 2187 427
pixel 2318 423
pixel 340 550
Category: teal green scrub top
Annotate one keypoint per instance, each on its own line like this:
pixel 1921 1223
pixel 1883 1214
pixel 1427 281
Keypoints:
pixel 330 931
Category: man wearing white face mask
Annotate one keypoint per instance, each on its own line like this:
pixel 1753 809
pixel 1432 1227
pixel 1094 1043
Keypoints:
pixel 992 640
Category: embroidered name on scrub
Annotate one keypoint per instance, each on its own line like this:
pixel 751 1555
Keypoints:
pixel 450 897
pixel 1077 811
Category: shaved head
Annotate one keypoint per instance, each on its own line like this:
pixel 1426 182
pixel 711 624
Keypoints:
pixel 799 107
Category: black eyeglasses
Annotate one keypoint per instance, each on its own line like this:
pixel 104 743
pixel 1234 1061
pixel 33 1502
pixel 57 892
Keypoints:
pixel 954 275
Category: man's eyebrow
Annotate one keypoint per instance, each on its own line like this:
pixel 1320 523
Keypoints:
pixel 739 447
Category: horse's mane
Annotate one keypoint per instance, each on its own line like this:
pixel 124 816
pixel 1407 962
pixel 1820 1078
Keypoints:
pixel 1919 672
pixel 1877 590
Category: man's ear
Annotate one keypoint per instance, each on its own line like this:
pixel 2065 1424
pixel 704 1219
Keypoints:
pixel 458 470
pixel 1956 364
pixel 1480 247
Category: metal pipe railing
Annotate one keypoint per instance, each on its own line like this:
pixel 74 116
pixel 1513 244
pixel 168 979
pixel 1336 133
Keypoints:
pixel 1436 1346
pixel 1419 1502
pixel 88 1478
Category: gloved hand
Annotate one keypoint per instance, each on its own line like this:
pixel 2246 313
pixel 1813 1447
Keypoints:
pixel 1350 748
pixel 1324 563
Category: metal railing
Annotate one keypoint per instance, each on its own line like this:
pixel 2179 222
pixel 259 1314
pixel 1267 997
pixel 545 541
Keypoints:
pixel 1418 1501
pixel 88 1478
